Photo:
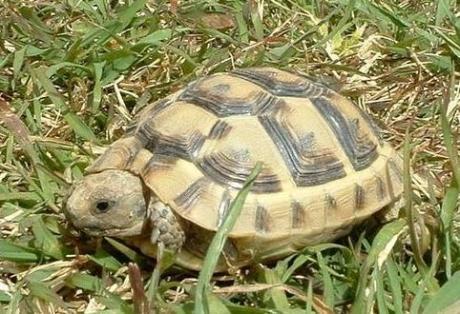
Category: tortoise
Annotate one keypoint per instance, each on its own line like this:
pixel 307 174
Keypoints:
pixel 171 178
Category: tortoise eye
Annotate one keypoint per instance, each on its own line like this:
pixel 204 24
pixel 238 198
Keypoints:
pixel 103 206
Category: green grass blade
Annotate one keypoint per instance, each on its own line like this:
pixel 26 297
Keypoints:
pixel 448 295
pixel 84 281
pixel 327 281
pixel 256 19
pixel 17 253
pixel 452 44
pixel 395 286
pixel 18 61
pixel 382 243
pixel 216 305
pixel 380 291
pixel 46 241
pixel 443 10
pixel 421 294
pixel 97 89
pixel 448 210
pixel 80 128
pixel 125 250
pixel 42 291
pixel 165 258
pixel 20 196
pixel 218 242
pixel 75 122
pixel 277 297
pixel 450 139
pixel 105 260
pixel 411 219
pixel 156 37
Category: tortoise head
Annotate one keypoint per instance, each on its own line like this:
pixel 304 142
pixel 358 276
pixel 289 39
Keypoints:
pixel 108 203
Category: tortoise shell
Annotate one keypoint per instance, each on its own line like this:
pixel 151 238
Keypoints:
pixel 325 167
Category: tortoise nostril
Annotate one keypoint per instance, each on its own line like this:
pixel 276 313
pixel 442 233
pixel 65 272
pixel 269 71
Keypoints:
pixel 102 206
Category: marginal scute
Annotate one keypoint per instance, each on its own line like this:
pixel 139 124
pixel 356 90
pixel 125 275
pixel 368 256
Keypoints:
pixel 298 215
pixel 360 149
pixel 396 169
pixel 359 195
pixel 281 83
pixel 119 155
pixel 262 222
pixel 331 202
pixel 380 187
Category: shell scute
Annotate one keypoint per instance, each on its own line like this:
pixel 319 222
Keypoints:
pixel 224 96
pixel 346 125
pixel 308 149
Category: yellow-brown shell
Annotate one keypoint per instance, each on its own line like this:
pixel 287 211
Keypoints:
pixel 324 166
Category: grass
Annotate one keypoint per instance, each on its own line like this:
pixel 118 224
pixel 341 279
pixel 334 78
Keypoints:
pixel 74 73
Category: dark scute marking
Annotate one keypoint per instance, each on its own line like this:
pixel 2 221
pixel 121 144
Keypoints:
pixel 131 128
pixel 158 162
pixel 147 135
pixel 221 88
pixel 158 107
pixel 380 188
pixel 128 153
pixel 101 160
pixel 360 149
pixel 233 171
pixel 222 104
pixel 396 169
pixel 185 147
pixel 188 198
pixel 230 252
pixel 331 203
pixel 146 129
pixel 308 166
pixel 266 78
pixel 131 151
pixel 373 126
pixel 270 104
pixel 219 130
pixel 359 195
pixel 298 215
pixel 262 223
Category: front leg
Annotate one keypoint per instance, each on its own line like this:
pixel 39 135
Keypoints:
pixel 165 226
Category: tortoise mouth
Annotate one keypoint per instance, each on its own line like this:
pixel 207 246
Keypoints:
pixel 118 232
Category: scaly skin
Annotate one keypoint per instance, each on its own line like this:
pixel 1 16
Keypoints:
pixel 165 227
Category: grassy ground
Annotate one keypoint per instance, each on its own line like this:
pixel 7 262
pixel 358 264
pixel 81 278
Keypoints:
pixel 73 73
